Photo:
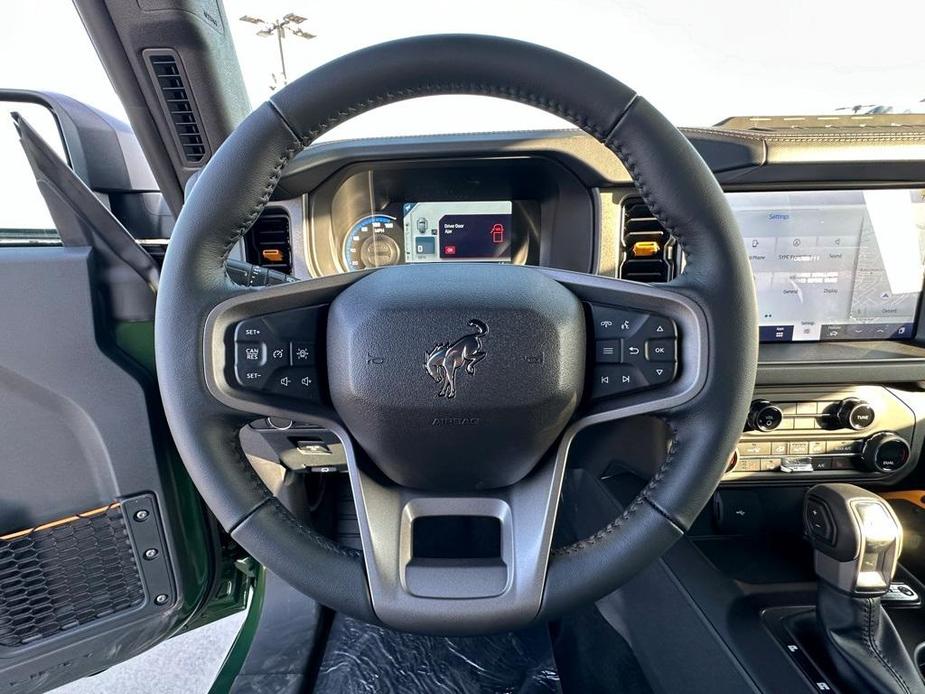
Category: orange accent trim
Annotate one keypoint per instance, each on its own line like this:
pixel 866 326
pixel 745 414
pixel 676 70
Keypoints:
pixel 913 496
pixel 274 255
pixel 645 249
pixel 60 521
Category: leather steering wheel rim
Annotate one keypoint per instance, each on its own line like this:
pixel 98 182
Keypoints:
pixel 673 180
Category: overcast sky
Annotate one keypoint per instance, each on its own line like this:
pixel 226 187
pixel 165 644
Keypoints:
pixel 697 61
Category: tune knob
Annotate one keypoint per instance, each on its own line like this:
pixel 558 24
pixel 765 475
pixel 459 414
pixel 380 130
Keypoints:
pixel 764 416
pixel 854 414
pixel 885 452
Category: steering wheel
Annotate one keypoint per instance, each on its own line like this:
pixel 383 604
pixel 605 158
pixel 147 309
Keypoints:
pixel 456 388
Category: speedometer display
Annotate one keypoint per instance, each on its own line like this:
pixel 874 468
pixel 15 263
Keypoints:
pixel 373 241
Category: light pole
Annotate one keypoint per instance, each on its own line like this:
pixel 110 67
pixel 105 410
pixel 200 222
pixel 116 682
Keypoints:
pixel 279 27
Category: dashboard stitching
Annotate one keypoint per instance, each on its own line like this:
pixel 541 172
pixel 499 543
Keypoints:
pixel 837 137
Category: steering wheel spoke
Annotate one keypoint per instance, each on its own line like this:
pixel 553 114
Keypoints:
pixel 264 352
pixel 456 562
pixel 647 346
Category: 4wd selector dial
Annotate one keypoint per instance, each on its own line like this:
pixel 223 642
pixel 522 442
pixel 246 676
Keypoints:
pixel 885 452
pixel 764 416
pixel 854 414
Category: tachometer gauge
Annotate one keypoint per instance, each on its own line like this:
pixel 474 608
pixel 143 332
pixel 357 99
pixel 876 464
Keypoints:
pixel 374 241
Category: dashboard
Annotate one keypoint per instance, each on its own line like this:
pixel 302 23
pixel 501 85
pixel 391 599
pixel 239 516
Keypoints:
pixel 832 220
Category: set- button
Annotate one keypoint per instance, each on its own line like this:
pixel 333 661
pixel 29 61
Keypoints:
pixel 632 351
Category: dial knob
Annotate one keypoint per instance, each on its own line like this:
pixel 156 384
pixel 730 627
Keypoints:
pixel 854 414
pixel 885 452
pixel 764 416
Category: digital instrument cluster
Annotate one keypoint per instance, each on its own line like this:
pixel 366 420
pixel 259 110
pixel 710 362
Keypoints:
pixel 431 232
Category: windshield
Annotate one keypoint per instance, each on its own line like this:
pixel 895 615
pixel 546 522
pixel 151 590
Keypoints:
pixel 698 62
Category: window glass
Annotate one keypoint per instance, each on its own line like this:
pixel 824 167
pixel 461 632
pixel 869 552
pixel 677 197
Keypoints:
pixel 45 48
pixel 698 61
pixel 23 213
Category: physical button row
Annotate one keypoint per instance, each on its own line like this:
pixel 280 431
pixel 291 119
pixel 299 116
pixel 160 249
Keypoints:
pixel 763 448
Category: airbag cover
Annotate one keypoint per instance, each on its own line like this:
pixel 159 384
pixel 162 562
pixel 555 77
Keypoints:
pixel 456 376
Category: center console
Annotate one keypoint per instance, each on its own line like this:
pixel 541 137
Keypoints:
pixel 857 433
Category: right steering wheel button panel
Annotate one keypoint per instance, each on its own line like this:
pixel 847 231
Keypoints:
pixel 632 351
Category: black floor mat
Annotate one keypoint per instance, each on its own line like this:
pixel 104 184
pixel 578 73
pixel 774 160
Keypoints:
pixel 592 658
pixel 365 659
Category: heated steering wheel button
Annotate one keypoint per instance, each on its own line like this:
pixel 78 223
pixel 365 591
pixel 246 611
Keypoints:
pixel 661 350
pixel 616 380
pixel 303 354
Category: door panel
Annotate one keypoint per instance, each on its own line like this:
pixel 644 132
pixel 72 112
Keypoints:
pixel 105 549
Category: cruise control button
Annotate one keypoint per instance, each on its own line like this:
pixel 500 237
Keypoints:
pixel 661 350
pixel 610 322
pixel 277 354
pixel 249 354
pixel 251 376
pixel 296 383
pixel 253 330
pixel 616 380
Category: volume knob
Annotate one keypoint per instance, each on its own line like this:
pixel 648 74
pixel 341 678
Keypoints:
pixel 764 416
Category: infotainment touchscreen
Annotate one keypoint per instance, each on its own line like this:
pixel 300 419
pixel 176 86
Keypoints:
pixel 459 230
pixel 835 265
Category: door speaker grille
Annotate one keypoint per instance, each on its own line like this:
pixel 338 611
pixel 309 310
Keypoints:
pixel 65 574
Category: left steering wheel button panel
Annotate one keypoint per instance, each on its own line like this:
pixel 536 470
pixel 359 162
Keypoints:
pixel 276 353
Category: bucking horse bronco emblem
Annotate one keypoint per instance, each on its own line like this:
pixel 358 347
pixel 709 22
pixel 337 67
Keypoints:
pixel 445 360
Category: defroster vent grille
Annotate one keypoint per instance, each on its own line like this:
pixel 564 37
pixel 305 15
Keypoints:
pixel 178 104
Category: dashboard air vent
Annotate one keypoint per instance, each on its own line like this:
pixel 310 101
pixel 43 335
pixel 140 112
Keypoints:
pixel 156 248
pixel 648 251
pixel 267 243
pixel 178 105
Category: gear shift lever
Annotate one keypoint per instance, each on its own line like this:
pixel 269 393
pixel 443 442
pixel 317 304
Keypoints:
pixel 857 539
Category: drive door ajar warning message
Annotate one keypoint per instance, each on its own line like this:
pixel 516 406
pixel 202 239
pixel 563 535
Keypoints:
pixel 468 236
pixel 468 230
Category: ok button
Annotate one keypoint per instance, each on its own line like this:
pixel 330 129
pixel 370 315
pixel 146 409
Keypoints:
pixel 660 350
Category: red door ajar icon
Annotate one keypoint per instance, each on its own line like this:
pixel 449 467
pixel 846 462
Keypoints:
pixel 497 233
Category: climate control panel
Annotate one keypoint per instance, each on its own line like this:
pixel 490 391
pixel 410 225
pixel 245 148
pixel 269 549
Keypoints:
pixel 856 432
